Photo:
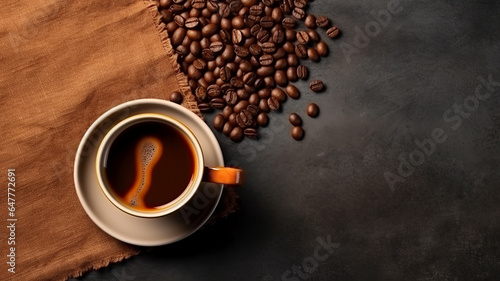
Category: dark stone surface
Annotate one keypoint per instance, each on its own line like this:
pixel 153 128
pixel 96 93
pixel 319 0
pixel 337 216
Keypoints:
pixel 439 222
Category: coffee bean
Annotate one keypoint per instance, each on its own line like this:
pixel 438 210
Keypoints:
pixel 279 94
pixel 198 4
pixel 246 117
pixel 218 122
pixel 268 47
pixel 302 72
pixel 266 60
pixel 312 110
pixel 295 119
pixel 265 71
pixel 253 109
pixel 191 22
pixel 298 13
pixel 300 3
pixel 291 74
pixel 262 119
pixel 256 10
pixel 209 30
pixel 317 86
pixel 278 36
pixel 240 122
pixel 207 54
pixel 243 104
pixel 251 133
pixel 176 97
pixel 313 54
pixel 292 92
pixel 297 133
pixel 228 110
pixel 176 9
pixel 178 36
pixel 235 6
pixel 179 20
pixel 214 90
pixel 301 51
pixel 268 2
pixel 332 32
pixel 281 78
pixel 322 49
pixel 237 36
pixel 322 21
pixel 263 35
pixel 199 64
pixel 303 37
pixel 204 107
pixel 236 134
pixel 241 52
pixel 310 21
pixel 288 23
pixel 266 22
pixel 226 130
pixel 313 35
pixel 285 7
pixel 225 74
pixel 217 103
pixel 273 103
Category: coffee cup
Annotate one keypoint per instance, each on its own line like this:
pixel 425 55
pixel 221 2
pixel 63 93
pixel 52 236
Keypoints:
pixel 150 165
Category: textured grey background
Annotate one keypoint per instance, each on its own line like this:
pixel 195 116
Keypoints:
pixel 442 222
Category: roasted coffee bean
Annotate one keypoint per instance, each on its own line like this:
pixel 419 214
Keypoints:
pixel 278 36
pixel 253 109
pixel 268 47
pixel 209 30
pixel 301 51
pixel 237 36
pixel 288 23
pixel 254 99
pixel 191 22
pixel 303 37
pixel 176 9
pixel 226 130
pixel 228 110
pixel 216 46
pixel 262 119
pixel 332 32
pixel 176 97
pixel 198 4
pixel 310 21
pixel 322 21
pixel 302 72
pixel 291 74
pixel 316 86
pixel 251 133
pixel 255 50
pixel 322 49
pixel 298 13
pixel 292 92
pixel 313 54
pixel 264 93
pixel 178 36
pixel 266 22
pixel 256 10
pixel 297 133
pixel 280 78
pixel 285 7
pixel 235 6
pixel 179 20
pixel 273 103
pixel 225 74
pixel 236 134
pixel 217 103
pixel 249 78
pixel 295 119
pixel 193 73
pixel 246 117
pixel 312 110
pixel 289 47
pixel 300 3
pixel 199 64
pixel 279 94
pixel 242 104
pixel 236 82
pixel 263 35
pixel 263 105
pixel 204 107
pixel 231 97
pixel 218 122
pixel 241 52
pixel 201 93
pixel 313 35
pixel 207 54
pixel 266 60
pixel 265 71
pixel 213 90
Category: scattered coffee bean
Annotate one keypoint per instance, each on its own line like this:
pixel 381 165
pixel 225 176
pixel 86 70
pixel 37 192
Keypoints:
pixel 297 133
pixel 312 110
pixel 316 86
pixel 295 119
pixel 302 72
pixel 218 122
pixel 237 52
pixel 251 133
pixel 262 119
pixel 332 32
pixel 176 97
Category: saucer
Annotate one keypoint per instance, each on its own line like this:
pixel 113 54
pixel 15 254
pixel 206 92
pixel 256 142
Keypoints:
pixel 145 231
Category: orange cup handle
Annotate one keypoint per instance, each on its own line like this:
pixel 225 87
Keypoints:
pixel 223 175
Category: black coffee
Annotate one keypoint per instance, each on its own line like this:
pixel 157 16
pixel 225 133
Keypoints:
pixel 149 164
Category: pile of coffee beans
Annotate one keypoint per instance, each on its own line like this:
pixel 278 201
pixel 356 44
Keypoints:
pixel 241 55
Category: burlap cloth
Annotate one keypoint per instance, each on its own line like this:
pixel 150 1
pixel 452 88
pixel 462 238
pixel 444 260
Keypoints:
pixel 62 64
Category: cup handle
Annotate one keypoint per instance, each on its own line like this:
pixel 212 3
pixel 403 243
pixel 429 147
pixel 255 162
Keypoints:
pixel 224 175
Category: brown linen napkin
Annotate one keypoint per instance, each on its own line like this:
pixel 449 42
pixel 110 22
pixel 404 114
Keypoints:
pixel 62 64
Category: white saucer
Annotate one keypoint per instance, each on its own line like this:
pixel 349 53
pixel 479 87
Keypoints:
pixel 128 228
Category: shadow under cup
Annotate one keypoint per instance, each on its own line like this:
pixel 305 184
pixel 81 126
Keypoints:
pixel 150 165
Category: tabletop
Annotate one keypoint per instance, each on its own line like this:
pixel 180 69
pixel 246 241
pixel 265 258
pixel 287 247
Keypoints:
pixel 396 179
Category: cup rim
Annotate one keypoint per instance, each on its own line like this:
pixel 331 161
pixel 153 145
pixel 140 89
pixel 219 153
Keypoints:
pixel 188 192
